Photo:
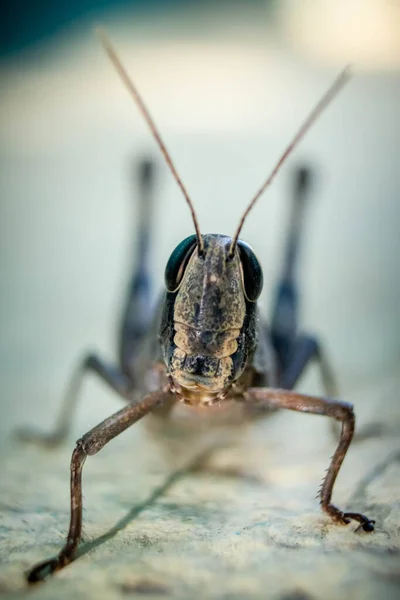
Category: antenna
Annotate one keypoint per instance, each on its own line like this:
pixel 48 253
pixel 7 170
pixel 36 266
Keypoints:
pixel 323 103
pixel 137 98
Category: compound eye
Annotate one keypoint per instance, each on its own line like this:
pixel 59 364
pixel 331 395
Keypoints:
pixel 177 263
pixel 252 272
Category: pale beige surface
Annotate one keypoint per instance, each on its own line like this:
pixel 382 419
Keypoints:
pixel 256 533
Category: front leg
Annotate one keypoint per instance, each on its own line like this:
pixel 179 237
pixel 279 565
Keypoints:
pixel 90 444
pixel 340 411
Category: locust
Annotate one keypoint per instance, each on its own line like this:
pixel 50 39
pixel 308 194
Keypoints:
pixel 206 348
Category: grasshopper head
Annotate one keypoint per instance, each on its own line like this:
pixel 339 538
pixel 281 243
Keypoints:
pixel 211 305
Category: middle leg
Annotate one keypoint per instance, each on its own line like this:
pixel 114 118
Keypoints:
pixel 116 380
pixel 305 349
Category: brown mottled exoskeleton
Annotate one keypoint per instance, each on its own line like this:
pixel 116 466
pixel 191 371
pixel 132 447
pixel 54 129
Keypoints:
pixel 206 346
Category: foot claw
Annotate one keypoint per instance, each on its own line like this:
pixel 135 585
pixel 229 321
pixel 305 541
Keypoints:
pixel 365 523
pixel 345 518
pixel 369 525
pixel 43 570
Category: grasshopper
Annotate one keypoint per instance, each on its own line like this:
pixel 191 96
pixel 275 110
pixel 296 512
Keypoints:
pixel 206 346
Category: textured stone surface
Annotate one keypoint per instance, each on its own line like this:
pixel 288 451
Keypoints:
pixel 248 526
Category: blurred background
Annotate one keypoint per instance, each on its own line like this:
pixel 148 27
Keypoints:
pixel 228 84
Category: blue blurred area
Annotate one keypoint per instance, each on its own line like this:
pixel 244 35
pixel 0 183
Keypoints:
pixel 23 23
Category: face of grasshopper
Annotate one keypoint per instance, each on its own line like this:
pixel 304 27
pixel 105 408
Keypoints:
pixel 211 304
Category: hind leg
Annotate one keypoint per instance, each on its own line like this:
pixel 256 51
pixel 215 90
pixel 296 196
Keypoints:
pixel 284 321
pixel 134 323
pixel 295 351
pixel 303 350
pixel 136 313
